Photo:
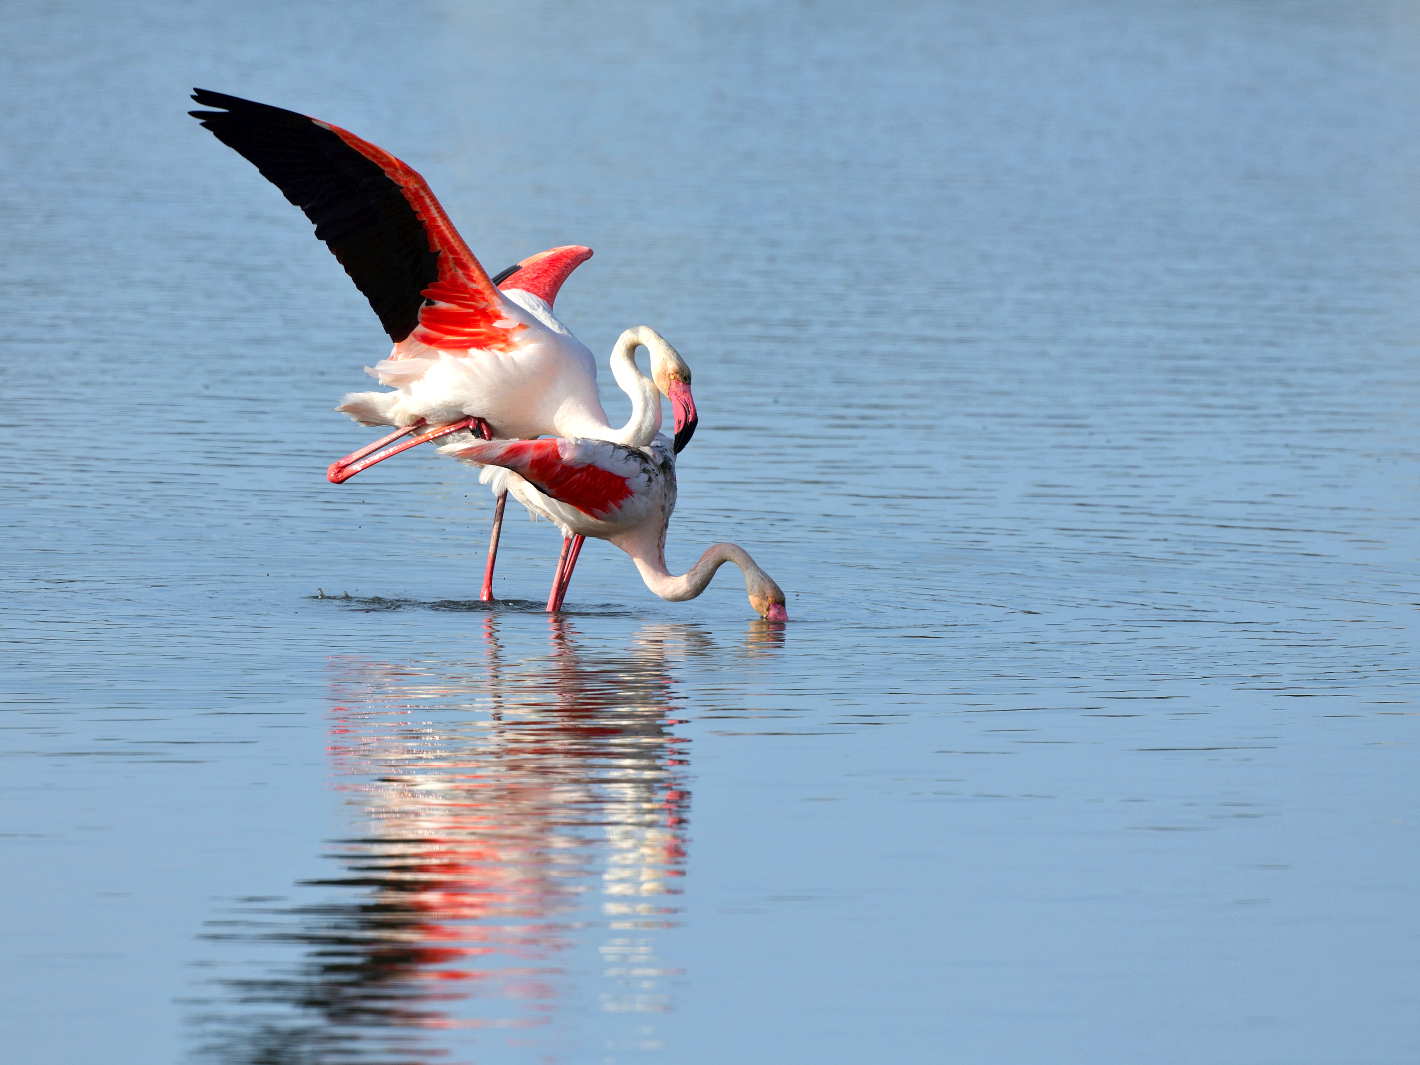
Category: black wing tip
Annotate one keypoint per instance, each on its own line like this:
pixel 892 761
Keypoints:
pixel 236 107
pixel 208 98
pixel 360 213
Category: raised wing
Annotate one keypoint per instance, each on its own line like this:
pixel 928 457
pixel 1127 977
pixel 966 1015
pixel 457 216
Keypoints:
pixel 378 217
pixel 542 274
pixel 594 476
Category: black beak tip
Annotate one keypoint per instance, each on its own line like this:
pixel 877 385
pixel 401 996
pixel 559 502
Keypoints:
pixel 683 436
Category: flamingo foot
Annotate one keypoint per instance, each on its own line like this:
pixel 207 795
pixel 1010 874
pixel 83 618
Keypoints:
pixel 343 469
pixel 356 456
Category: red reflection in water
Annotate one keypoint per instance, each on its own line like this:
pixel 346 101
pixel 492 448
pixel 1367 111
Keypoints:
pixel 516 814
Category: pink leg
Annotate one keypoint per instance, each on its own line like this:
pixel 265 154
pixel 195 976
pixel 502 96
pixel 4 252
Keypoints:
pixel 557 577
pixel 369 449
pixel 573 552
pixel 343 469
pixel 487 595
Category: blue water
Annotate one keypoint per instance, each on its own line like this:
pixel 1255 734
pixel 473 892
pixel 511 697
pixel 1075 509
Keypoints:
pixel 1058 360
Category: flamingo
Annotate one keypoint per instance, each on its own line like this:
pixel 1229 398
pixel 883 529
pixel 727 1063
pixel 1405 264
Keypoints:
pixel 670 376
pixel 618 493
pixel 467 353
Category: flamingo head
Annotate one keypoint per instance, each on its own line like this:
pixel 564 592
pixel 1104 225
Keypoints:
pixel 543 274
pixel 672 377
pixel 766 598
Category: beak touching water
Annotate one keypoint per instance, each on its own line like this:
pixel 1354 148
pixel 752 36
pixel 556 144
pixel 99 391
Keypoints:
pixel 685 417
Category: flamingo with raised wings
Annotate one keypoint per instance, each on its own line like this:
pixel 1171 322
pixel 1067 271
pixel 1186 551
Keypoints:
pixel 467 354
pixel 624 495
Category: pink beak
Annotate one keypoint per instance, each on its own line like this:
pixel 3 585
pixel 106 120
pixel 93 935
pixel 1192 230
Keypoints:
pixel 685 417
pixel 777 612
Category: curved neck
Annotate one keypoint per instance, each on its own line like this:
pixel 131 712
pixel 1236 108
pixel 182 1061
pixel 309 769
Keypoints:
pixel 652 565
pixel 645 421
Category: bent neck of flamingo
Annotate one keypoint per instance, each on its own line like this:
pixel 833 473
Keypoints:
pixel 645 421
pixel 649 556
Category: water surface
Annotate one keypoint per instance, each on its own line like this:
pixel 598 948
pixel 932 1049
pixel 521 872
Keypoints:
pixel 1058 360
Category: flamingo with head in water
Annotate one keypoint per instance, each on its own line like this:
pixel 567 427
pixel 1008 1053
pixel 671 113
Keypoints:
pixel 467 354
pixel 621 494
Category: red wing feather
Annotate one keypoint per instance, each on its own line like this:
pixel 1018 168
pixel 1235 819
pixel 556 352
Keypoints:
pixel 466 311
pixel 378 217
pixel 590 488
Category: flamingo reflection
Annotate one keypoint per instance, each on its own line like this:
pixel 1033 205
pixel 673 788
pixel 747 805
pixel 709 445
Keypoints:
pixel 524 831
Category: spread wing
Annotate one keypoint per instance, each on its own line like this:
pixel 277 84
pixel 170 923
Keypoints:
pixel 378 217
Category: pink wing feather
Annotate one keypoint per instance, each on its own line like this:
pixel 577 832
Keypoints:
pixel 467 308
pixel 379 218
pixel 586 474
